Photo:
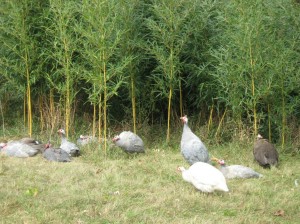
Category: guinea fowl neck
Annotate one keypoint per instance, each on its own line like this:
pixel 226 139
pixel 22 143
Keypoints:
pixel 63 137
pixel 186 128
pixel 186 175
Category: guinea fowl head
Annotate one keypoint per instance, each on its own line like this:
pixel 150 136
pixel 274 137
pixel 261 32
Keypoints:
pixel 184 119
pixel 2 145
pixel 180 169
pixel 48 145
pixel 116 138
pixel 259 137
pixel 221 162
pixel 61 132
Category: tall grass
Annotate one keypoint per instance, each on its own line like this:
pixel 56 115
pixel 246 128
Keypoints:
pixel 121 188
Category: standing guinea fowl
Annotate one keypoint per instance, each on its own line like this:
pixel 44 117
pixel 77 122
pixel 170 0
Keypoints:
pixel 236 171
pixel 55 154
pixel 192 148
pixel 204 177
pixel 265 153
pixel 69 147
pixel 129 142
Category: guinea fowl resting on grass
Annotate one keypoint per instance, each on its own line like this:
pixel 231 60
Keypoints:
pixel 236 171
pixel 33 143
pixel 265 153
pixel 69 147
pixel 192 148
pixel 85 139
pixel 18 149
pixel 129 142
pixel 204 177
pixel 55 154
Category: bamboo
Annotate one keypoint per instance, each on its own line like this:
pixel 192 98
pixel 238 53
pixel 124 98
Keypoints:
pixel 253 91
pixel 210 118
pixel 68 79
pixel 169 114
pixel 220 123
pixel 180 99
pixel 133 102
pixel 283 118
pixel 2 116
pixel 52 111
pixel 100 118
pixel 269 123
pixel 104 105
pixel 94 119
pixel 24 109
pixel 41 113
pixel 28 95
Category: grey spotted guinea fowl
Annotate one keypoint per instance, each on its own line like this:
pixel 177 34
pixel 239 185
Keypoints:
pixel 236 171
pixel 129 142
pixel 85 139
pixel 68 146
pixel 33 143
pixel 18 149
pixel 192 148
pixel 265 153
pixel 55 154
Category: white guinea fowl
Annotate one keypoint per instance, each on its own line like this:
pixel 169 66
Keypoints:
pixel 68 146
pixel 204 177
pixel 236 171
pixel 129 142
pixel 192 148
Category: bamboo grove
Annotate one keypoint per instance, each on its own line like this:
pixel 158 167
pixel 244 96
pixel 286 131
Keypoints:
pixel 231 65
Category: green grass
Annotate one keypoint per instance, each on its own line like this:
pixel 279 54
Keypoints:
pixel 146 188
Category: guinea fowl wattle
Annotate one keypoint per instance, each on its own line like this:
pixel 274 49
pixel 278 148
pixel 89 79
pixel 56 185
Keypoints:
pixel 68 146
pixel 129 142
pixel 265 153
pixel 192 148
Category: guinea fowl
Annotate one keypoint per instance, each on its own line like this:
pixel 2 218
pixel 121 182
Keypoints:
pixel 33 143
pixel 85 139
pixel 236 171
pixel 265 153
pixel 204 177
pixel 129 142
pixel 55 154
pixel 68 146
pixel 192 148
pixel 18 149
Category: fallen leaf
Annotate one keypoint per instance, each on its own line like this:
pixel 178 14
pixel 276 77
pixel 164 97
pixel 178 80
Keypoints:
pixel 280 212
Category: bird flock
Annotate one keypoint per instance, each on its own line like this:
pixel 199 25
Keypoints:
pixel 202 174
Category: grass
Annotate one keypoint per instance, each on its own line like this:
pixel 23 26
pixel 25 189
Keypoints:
pixel 120 188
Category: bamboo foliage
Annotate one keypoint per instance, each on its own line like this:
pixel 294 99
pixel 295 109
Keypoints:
pixel 101 39
pixel 19 51
pixel 62 15
pixel 152 60
pixel 169 30
pixel 131 21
